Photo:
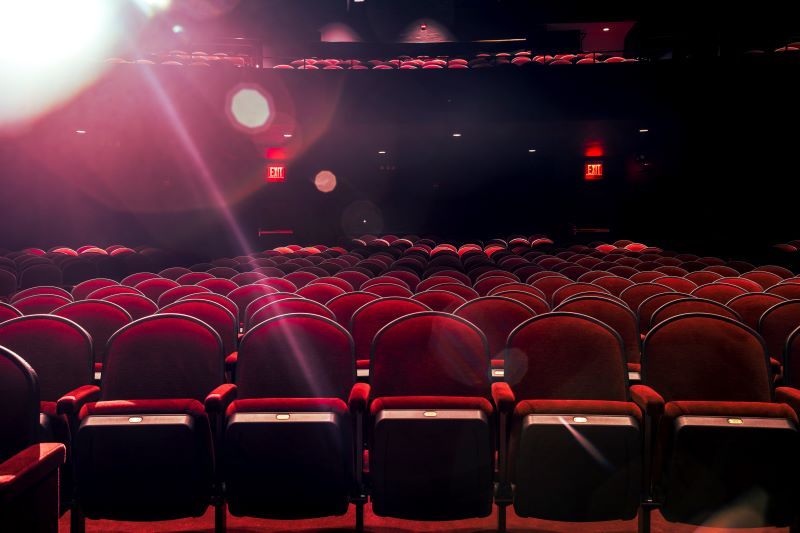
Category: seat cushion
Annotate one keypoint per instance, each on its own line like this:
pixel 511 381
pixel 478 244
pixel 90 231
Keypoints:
pixel 730 409
pixel 431 403
pixel 293 405
pixel 572 407
pixel 149 407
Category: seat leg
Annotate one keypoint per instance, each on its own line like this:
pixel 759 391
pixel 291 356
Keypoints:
pixel 644 518
pixel 220 517
pixel 359 517
pixel 77 522
pixel 501 518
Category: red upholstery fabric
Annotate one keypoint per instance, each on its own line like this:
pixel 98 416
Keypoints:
pixel 292 405
pixel 437 300
pixel 244 295
pixel 777 323
pixel 702 357
pixel 27 468
pixel 83 289
pixel 635 295
pixel 652 304
pixel 566 355
pixel 718 292
pixel 59 351
pixel 648 400
pixel 613 284
pixel 297 355
pixel 359 397
pixel 345 305
pixel 218 285
pixel 691 304
pixel 213 314
pixel 429 354
pixel 537 303
pixel 370 318
pixel 789 396
pixel 71 403
pixel 145 407
pixel 99 318
pixel 155 287
pixel 496 317
pixel 730 409
pixel 287 306
pixel 320 292
pixel 430 403
pixel 176 293
pixel 40 303
pixel 550 284
pixel 616 315
pixel 219 399
pixel 503 397
pixel 677 283
pixel 576 407
pixel 137 305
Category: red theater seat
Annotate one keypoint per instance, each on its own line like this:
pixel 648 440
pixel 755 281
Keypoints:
pixel 246 294
pixel 295 376
pixel 691 304
pixel 29 471
pixel 40 304
pixel 145 451
pixel 444 301
pixel 345 305
pixel 176 293
pixel 431 453
pixel 320 292
pixel 715 431
pixel 153 288
pixel 719 292
pixel 286 306
pixel 82 290
pixel 568 405
pixel 221 320
pixel 776 324
pixel 751 306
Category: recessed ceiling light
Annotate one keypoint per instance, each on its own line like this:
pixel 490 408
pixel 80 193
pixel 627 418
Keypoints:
pixel 606 29
pixel 456 135
pixel 382 152
pixel 80 132
pixel 643 130
pixel 287 135
pixel 531 150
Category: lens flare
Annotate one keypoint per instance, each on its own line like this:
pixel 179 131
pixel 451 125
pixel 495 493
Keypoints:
pixel 325 181
pixel 51 50
pixel 249 108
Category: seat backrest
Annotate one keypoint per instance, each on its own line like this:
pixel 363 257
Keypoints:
pixel 320 292
pixel 176 293
pixel 718 291
pixel 444 301
pixel 332 280
pixel 224 301
pixel 297 355
pixel 345 305
pixel 85 288
pixel 614 314
pixel 777 323
pixel 8 311
pixel 790 291
pixel 677 283
pixel 635 295
pixel 40 274
pixel 496 317
pixel 430 354
pixel 791 359
pixel 286 306
pixel 155 287
pixel 752 305
pixel 691 304
pixel 215 315
pixel 352 277
pixel 368 319
pixel 192 278
pixel 573 289
pixel 650 305
pixel 40 290
pixel 19 396
pixel 174 273
pixel 137 305
pixel 163 356
pixel 40 304
pixel 100 319
pixel 242 296
pixel 218 285
pixel 550 284
pixel 566 356
pixel 705 357
pixel 58 349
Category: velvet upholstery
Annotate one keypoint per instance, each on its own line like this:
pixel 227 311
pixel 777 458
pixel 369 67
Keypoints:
pixel 614 284
pixel 550 284
pixel 85 288
pixel 136 305
pixel 442 301
pixel 155 287
pixel 652 304
pixel 568 291
pixel 215 315
pixel 345 305
pixel 40 303
pixel 635 295
pixel 776 324
pixel 320 292
pixel 718 292
pixel 616 315
pixel 218 285
pixel 496 317
pixel 286 306
pixel 751 306
pixel 372 316
pixel 691 304
pixel 176 293
pixel 246 294
pixel 99 318
pixel 677 283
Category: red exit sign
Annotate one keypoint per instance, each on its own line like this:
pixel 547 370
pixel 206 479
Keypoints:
pixel 276 173
pixel 593 171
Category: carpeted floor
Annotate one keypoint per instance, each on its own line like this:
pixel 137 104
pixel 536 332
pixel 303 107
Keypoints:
pixel 374 524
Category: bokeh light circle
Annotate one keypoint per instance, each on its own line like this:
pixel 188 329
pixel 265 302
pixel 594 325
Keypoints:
pixel 249 108
pixel 325 181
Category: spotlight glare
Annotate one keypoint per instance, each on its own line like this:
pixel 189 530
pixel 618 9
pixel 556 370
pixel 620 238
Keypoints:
pixel 456 135
pixel 287 135
pixel 80 132
pixel 643 130
pixel 382 152
pixel 531 150
pixel 177 28
pixel 606 29
pixel 325 181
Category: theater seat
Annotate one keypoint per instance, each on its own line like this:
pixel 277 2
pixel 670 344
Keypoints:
pixel 291 441
pixel 431 438
pixel 714 428
pixel 29 471
pixel 145 451
pixel 565 404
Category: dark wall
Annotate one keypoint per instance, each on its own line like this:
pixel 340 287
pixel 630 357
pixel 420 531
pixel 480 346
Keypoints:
pixel 161 163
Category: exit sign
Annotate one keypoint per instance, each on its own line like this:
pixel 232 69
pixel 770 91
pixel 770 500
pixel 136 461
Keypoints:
pixel 276 173
pixel 593 171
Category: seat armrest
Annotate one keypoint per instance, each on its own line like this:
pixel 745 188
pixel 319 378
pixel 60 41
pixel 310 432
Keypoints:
pixel 649 401
pixel 789 396
pixel 70 404
pixel 219 399
pixel 28 467
pixel 231 359
pixel 359 397
pixel 503 397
